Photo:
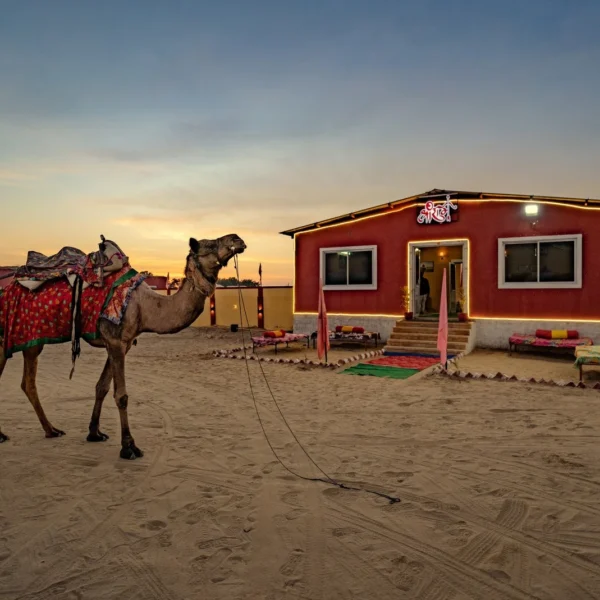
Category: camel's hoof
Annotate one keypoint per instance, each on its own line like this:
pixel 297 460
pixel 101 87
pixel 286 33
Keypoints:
pixel 131 452
pixel 55 433
pixel 3 437
pixel 97 437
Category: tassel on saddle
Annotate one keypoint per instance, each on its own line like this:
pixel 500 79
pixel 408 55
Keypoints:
pixel 76 322
pixel 76 305
pixel 101 250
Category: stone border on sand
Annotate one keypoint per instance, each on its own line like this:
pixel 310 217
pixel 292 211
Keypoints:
pixel 232 353
pixel 503 377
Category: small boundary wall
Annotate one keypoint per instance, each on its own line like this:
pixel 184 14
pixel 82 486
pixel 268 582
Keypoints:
pixel 233 354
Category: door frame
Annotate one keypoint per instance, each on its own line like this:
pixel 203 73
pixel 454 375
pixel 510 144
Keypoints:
pixel 452 299
pixel 412 247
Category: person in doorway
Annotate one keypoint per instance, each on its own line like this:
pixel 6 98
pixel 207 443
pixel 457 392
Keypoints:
pixel 424 291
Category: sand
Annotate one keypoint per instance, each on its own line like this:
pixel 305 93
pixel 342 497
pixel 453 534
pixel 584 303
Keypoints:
pixel 555 367
pixel 499 485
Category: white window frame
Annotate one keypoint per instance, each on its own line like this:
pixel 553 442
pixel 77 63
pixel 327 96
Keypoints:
pixel 536 285
pixel 348 287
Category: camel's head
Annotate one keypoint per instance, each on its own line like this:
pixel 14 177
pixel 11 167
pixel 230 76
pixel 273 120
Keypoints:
pixel 210 256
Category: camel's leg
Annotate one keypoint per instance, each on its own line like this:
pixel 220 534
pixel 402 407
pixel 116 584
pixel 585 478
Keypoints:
pixel 102 388
pixel 30 358
pixel 3 359
pixel 117 359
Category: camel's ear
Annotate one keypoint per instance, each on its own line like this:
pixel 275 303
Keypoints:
pixel 194 245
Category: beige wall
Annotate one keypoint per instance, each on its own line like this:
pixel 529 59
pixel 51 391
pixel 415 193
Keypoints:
pixel 278 308
pixel 227 303
pixel 435 277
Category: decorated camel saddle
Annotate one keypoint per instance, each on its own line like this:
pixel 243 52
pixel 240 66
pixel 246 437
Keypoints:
pixel 71 263
pixel 60 298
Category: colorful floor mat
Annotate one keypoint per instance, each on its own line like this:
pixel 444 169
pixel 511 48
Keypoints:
pixel 366 369
pixel 406 362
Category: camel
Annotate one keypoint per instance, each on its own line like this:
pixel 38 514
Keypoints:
pixel 147 311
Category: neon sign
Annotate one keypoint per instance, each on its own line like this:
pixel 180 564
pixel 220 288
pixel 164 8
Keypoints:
pixel 437 212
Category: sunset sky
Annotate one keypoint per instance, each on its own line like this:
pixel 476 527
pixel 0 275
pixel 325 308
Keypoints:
pixel 152 121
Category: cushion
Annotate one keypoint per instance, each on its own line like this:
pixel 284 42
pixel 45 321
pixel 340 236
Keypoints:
pixel 557 334
pixel 349 329
pixel 277 333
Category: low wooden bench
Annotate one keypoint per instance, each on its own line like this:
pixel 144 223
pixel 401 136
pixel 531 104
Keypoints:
pixel 586 355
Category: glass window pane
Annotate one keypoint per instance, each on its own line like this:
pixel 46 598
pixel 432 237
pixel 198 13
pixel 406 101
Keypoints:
pixel 335 268
pixel 557 261
pixel 361 268
pixel 520 263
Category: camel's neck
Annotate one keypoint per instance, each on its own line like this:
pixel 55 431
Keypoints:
pixel 174 313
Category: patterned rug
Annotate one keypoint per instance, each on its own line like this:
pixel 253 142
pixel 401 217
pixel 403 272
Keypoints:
pixel 411 361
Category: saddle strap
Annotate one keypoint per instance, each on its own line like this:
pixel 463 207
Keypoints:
pixel 76 321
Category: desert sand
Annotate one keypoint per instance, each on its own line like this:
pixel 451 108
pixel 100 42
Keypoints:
pixel 499 484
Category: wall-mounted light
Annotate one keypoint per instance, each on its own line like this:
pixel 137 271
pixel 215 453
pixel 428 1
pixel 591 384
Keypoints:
pixel 442 254
pixel 532 210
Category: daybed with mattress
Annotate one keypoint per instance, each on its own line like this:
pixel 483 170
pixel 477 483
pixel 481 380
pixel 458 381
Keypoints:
pixel 549 338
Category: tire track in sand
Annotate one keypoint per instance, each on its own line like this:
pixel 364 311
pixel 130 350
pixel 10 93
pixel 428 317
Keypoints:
pixel 458 573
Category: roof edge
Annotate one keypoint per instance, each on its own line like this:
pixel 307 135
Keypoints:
pixel 389 206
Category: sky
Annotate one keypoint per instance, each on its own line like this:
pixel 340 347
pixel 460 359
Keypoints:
pixel 153 121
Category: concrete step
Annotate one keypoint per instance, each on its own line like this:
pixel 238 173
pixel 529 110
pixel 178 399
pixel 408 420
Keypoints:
pixel 426 351
pixel 432 325
pixel 432 345
pixel 459 333
pixel 428 337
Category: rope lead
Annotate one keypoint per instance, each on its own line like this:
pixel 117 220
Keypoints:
pixel 329 480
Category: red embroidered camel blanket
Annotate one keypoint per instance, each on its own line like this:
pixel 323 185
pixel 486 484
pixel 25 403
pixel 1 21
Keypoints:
pixel 44 316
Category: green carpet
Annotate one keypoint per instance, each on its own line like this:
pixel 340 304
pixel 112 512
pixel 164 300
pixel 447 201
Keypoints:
pixel 379 371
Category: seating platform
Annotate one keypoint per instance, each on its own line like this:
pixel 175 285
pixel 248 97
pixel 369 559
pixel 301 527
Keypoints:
pixel 532 341
pixel 586 355
pixel 364 338
pixel 288 338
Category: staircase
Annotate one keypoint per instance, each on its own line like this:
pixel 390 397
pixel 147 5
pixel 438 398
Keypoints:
pixel 420 337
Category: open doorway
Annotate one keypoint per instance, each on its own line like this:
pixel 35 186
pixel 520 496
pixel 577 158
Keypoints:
pixel 427 260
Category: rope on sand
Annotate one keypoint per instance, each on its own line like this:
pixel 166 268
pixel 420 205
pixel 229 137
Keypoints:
pixel 326 478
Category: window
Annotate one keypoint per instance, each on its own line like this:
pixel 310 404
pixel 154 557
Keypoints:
pixel 353 268
pixel 540 262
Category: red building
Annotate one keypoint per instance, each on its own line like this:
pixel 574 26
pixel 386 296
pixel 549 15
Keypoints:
pixel 515 263
pixel 5 276
pixel 157 282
